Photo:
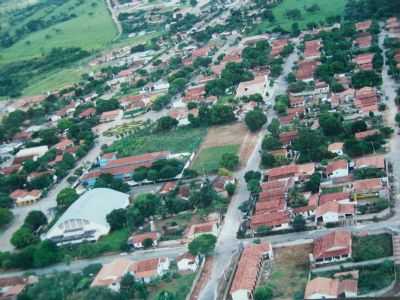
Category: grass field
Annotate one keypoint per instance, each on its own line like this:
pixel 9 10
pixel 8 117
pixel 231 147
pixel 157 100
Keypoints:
pixel 179 286
pixel 328 8
pixel 175 141
pixel 92 29
pixel 209 158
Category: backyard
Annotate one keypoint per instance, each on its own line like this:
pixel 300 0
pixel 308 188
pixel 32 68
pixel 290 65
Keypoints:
pixel 372 247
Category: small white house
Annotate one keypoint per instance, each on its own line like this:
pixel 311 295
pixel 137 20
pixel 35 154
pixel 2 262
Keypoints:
pixel 337 168
pixel 188 262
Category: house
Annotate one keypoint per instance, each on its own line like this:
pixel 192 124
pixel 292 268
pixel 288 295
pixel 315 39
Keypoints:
pixel 251 40
pixel 336 148
pixel 277 204
pixel 340 197
pixel 136 240
pixel 25 197
pixel 258 85
pixel 111 274
pixel 363 26
pixel 12 287
pixel 286 138
pixel 364 61
pixel 195 94
pixel 393 25
pixel 337 168
pixel 367 187
pixel 199 52
pixel 275 220
pixel 298 172
pixel 63 145
pixel 363 42
pixel 88 113
pixel 278 46
pixel 149 269
pixel 312 49
pixel 85 220
pixel 204 228
pixel 188 262
pixel 367 133
pixel 168 187
pixel 373 161
pixel 109 116
pixel 309 209
pixel 32 153
pixel 334 212
pixel 366 99
pixel 296 101
pixel 332 247
pixel 331 288
pixel 306 70
pixel 105 158
pixel 249 270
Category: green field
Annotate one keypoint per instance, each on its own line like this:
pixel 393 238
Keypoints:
pixel 209 158
pixel 92 29
pixel 175 141
pixel 328 8
pixel 179 286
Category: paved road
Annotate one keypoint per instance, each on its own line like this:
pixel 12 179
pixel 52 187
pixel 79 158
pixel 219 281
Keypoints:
pixel 78 265
pixel 227 241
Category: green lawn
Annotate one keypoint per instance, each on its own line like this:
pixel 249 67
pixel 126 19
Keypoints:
pixel 175 141
pixel 372 247
pixel 209 158
pixel 180 286
pixel 328 8
pixel 92 29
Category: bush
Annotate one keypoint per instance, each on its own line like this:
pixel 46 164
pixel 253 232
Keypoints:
pixel 229 161
pixel 372 247
pixel 255 120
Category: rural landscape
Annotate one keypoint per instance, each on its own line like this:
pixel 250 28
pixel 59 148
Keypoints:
pixel 199 149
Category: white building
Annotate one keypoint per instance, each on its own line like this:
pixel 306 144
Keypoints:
pixel 31 153
pixel 259 85
pixel 187 262
pixel 85 220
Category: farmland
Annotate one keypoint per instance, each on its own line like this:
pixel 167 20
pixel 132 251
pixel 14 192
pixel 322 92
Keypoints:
pixel 91 28
pixel 327 9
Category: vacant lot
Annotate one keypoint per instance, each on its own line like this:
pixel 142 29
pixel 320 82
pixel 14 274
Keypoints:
pixel 175 141
pixel 372 247
pixel 328 8
pixel 289 272
pixel 179 285
pixel 209 158
pixel 234 139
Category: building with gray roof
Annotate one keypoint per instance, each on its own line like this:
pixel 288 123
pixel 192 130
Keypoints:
pixel 85 220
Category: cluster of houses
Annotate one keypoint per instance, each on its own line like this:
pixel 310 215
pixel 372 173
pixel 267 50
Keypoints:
pixel 339 200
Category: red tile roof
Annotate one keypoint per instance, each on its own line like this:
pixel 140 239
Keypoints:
pixel 363 26
pixel 367 185
pixel 332 288
pixel 336 165
pixel 374 161
pixel 306 70
pixel 88 112
pixel 270 219
pixel 336 243
pixel 287 137
pixel 340 196
pixel 139 238
pixel 248 268
pixel 335 207
pixel 364 134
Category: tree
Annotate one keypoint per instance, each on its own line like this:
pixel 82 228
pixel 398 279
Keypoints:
pixel 252 175
pixel 268 160
pixel 229 161
pixel 108 181
pixel 23 237
pixel 203 244
pixel 46 254
pixel 166 123
pixel 147 204
pixel 230 189
pixel 5 216
pixel 271 143
pixel 148 243
pixel 6 201
pixel 299 224
pixel 254 186
pixel 366 78
pixel 66 197
pixel 35 219
pixel 101 293
pixel 127 286
pixel 263 229
pixel 255 119
pixel 397 119
pixel 331 124
pixel 274 127
pixel 165 295
pixel 117 219
pixel 263 293
pixel 313 183
pixel 204 197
